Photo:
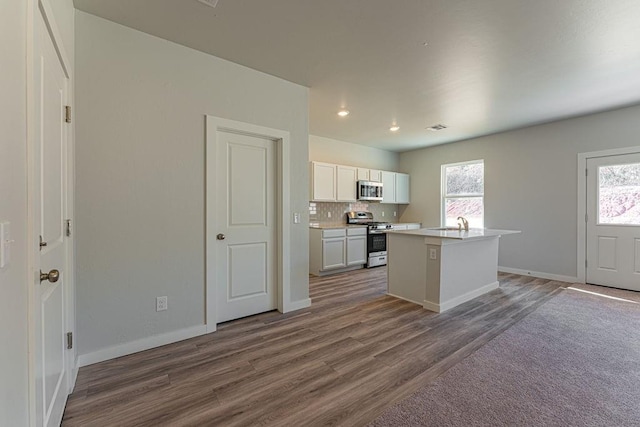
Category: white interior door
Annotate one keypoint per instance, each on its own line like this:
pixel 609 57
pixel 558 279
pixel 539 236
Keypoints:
pixel 613 221
pixel 246 225
pixel 49 204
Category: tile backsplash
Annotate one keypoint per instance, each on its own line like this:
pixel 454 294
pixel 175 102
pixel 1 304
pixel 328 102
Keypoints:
pixel 330 212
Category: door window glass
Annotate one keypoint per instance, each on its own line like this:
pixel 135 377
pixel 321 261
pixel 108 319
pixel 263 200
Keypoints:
pixel 619 194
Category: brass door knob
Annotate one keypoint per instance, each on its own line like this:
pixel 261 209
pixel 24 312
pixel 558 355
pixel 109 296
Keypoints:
pixel 221 236
pixel 51 276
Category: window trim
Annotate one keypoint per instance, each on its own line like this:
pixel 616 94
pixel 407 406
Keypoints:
pixel 443 190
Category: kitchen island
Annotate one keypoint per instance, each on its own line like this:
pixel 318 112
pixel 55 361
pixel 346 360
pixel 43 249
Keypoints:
pixel 442 268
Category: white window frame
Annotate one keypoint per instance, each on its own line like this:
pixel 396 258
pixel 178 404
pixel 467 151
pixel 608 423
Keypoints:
pixel 443 190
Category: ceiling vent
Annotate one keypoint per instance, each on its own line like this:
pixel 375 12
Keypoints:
pixel 212 3
pixel 437 127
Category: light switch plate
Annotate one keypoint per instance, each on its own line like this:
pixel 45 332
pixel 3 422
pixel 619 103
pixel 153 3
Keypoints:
pixel 433 254
pixel 296 218
pixel 5 244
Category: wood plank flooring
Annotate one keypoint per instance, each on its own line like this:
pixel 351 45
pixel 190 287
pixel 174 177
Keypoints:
pixel 342 361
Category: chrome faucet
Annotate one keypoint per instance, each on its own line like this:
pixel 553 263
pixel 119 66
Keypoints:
pixel 464 224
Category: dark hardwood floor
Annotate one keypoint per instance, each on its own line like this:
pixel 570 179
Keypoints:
pixel 354 352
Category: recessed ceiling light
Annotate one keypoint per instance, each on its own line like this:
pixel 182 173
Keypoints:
pixel 437 127
pixel 394 128
pixel 343 113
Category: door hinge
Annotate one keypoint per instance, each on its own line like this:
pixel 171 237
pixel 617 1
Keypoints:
pixel 586 172
pixel 67 227
pixel 67 113
pixel 585 263
pixel 586 217
pixel 69 340
pixel 42 243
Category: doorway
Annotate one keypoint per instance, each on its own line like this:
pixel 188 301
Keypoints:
pixel 247 233
pixel 612 219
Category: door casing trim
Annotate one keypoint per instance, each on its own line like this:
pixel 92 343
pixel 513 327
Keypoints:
pixel 283 210
pixel 582 203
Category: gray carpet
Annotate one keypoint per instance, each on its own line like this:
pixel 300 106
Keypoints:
pixel 575 361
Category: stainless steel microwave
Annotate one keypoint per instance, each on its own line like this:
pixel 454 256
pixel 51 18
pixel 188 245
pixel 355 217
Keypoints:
pixel 370 191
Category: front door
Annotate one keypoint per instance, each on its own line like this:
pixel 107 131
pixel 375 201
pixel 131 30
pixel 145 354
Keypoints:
pixel 613 221
pixel 48 199
pixel 246 225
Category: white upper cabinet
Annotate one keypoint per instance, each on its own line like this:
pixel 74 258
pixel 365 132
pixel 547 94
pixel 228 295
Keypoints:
pixel 375 175
pixel 395 187
pixel 346 177
pixel 323 182
pixel 402 188
pixel 338 183
pixel 363 174
pixel 388 187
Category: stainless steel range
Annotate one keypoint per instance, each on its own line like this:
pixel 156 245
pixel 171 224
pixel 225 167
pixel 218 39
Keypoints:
pixel 376 237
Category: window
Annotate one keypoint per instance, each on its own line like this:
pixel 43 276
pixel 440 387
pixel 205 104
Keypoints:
pixel 463 193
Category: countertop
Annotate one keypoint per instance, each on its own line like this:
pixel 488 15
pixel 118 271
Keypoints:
pixel 473 233
pixel 329 225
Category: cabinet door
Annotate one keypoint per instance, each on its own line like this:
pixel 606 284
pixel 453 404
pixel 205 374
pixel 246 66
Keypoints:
pixel 323 187
pixel 402 188
pixel 346 183
pixel 388 187
pixel 333 253
pixel 363 174
pixel 375 175
pixel 356 250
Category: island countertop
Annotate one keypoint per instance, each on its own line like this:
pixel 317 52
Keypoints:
pixel 472 234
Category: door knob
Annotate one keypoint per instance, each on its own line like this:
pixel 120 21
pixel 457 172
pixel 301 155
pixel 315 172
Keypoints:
pixel 221 236
pixel 51 276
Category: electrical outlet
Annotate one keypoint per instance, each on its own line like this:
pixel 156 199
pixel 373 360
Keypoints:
pixel 382 213
pixel 433 254
pixel 328 214
pixel 395 213
pixel 162 303
pixel 296 218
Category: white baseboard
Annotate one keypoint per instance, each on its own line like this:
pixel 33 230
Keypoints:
pixel 74 373
pixel 557 277
pixel 298 305
pixel 140 345
pixel 431 306
pixel 405 299
pixel 453 302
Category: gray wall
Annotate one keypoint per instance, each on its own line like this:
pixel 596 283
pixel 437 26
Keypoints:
pixel 345 153
pixel 14 356
pixel 140 135
pixel 530 183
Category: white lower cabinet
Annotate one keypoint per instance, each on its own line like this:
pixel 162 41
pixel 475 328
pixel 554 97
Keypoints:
pixel 333 253
pixel 336 249
pixel 356 246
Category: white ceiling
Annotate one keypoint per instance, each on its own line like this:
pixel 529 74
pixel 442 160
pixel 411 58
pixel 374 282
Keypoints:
pixel 487 66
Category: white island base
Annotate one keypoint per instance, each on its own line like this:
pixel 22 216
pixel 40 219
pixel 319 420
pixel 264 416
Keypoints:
pixel 441 269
